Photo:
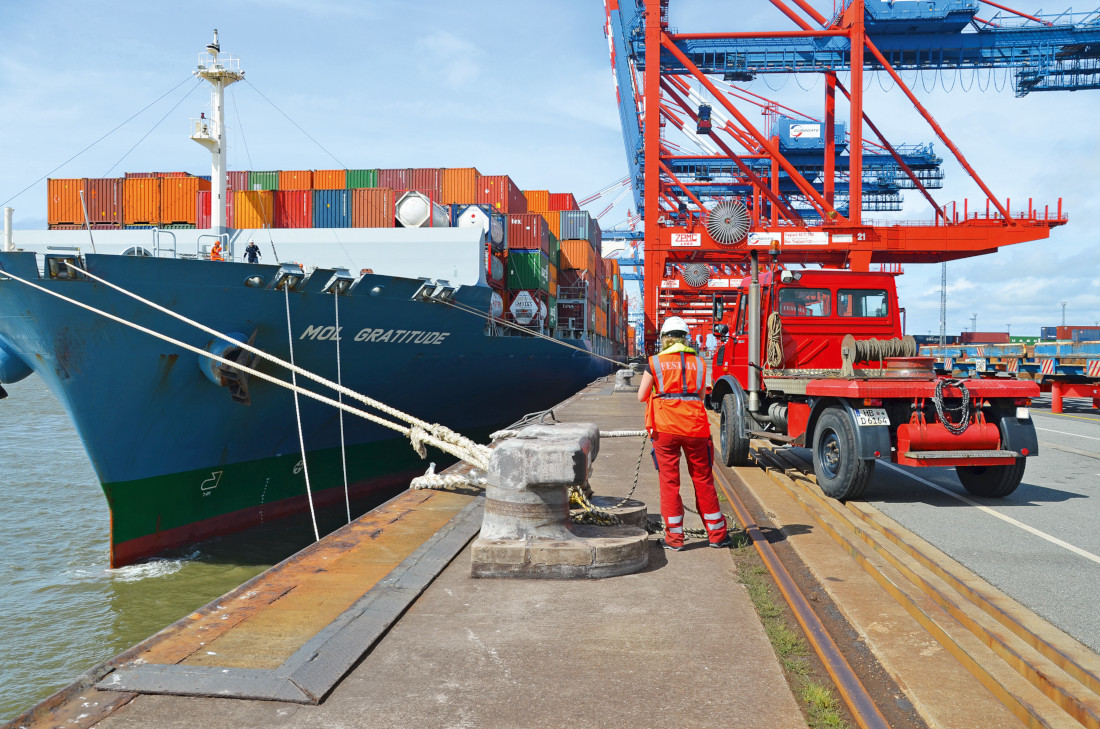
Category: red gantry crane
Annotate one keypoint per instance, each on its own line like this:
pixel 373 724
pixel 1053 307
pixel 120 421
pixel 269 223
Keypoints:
pixel 802 184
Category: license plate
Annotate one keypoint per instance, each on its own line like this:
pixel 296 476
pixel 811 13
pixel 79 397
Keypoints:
pixel 872 416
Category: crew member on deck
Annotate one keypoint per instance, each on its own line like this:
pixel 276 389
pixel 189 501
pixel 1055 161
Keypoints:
pixel 674 386
pixel 252 252
pixel 216 251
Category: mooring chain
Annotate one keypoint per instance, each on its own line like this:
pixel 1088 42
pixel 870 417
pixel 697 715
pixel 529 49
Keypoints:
pixel 963 409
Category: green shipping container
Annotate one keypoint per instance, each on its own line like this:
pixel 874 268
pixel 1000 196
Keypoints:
pixel 362 178
pixel 555 250
pixel 529 270
pixel 552 312
pixel 263 180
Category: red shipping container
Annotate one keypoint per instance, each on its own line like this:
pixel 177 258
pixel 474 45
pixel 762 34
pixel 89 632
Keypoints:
pixel 425 180
pixel 528 231
pixel 1066 333
pixel 502 193
pixel 202 209
pixel 293 208
pixel 104 199
pixel 985 338
pixel 563 201
pixel 237 180
pixel 173 174
pixel 139 175
pixel 372 207
pixel 394 179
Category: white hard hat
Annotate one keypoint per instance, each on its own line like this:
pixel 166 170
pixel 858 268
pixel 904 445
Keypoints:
pixel 674 324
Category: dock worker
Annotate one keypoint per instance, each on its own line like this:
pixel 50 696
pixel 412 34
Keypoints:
pixel 673 387
pixel 252 252
pixel 216 251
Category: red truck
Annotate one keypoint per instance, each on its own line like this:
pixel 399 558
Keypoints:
pixel 837 376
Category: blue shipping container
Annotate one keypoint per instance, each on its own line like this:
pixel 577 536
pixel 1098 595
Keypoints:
pixel 331 209
pixel 1048 332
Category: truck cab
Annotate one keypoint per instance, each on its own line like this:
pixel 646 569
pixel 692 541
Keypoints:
pixel 815 308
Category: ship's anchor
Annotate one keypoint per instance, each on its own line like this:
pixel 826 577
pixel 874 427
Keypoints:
pixel 226 375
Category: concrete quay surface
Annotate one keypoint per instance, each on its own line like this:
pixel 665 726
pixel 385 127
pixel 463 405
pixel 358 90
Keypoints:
pixel 678 642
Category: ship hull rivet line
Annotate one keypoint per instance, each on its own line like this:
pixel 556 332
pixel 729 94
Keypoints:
pixel 418 435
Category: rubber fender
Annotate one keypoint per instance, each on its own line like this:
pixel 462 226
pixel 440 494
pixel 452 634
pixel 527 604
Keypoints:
pixel 13 368
pixel 214 370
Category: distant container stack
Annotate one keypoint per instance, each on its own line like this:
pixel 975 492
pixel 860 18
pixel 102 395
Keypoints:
pixel 544 259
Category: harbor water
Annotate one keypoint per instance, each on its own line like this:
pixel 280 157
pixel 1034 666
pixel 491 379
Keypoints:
pixel 62 611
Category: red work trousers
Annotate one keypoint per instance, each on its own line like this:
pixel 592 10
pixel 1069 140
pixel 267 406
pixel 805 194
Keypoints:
pixel 700 457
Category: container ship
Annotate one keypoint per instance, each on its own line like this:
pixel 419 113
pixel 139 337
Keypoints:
pixel 453 296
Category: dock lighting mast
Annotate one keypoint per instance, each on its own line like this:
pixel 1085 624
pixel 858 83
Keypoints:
pixel 220 70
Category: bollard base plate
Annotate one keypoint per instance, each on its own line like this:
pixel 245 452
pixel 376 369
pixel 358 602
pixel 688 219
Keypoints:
pixel 632 513
pixel 593 552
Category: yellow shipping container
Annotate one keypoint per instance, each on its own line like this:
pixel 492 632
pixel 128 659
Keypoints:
pixel 538 201
pixel 141 201
pixel 295 179
pixel 253 208
pixel 577 254
pixel 330 179
pixel 459 185
pixel 63 201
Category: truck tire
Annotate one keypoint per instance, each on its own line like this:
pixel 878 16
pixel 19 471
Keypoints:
pixel 733 443
pixel 840 473
pixel 992 481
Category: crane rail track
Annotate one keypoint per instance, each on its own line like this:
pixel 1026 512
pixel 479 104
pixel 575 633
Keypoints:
pixel 1042 676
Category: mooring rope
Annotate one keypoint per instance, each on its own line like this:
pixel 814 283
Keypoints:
pixel 298 415
pixel 418 435
pixel 340 399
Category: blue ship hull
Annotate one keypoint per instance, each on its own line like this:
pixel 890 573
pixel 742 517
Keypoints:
pixel 179 460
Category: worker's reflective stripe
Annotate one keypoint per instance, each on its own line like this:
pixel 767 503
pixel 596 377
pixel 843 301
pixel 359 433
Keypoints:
pixel 676 530
pixel 712 517
pixel 675 519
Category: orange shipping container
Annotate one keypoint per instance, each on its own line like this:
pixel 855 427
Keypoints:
pixel 296 180
pixel 538 201
pixel 141 201
pixel 63 201
pixel 253 208
pixel 329 180
pixel 177 198
pixel 553 219
pixel 577 254
pixel 372 207
pixel 459 185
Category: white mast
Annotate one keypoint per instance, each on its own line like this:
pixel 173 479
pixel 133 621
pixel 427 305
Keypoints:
pixel 220 71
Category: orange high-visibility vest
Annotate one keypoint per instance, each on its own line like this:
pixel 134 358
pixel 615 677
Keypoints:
pixel 676 406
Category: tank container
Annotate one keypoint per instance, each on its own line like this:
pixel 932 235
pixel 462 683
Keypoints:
pixel 480 216
pixel 416 210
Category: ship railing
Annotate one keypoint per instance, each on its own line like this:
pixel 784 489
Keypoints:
pixel 223 237
pixel 159 249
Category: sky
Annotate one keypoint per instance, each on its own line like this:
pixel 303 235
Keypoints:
pixel 513 87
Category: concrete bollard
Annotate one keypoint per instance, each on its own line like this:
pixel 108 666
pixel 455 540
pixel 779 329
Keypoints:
pixel 624 381
pixel 526 531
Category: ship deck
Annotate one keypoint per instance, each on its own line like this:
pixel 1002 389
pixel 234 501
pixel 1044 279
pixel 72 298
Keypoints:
pixel 381 624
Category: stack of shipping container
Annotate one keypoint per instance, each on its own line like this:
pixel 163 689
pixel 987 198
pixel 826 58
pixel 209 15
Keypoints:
pixel 545 251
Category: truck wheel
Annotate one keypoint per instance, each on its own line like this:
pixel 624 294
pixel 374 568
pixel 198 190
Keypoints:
pixel 733 444
pixel 992 481
pixel 840 473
